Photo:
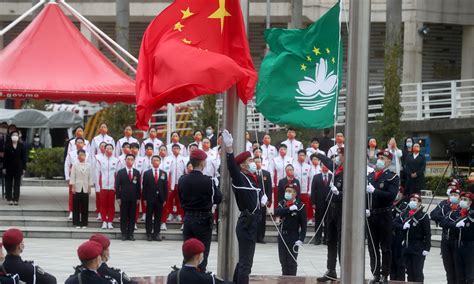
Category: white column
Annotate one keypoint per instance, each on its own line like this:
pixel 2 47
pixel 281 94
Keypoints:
pixel 467 70
pixel 412 53
pixel 87 34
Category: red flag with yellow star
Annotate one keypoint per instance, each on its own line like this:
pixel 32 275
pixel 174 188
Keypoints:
pixel 193 48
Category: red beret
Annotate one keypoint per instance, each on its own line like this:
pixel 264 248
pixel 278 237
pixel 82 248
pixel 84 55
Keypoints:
pixel 340 150
pixel 386 153
pixel 464 194
pixel 242 157
pixel 12 237
pixel 198 154
pixel 89 250
pixel 192 247
pixel 454 190
pixel 415 195
pixel 101 239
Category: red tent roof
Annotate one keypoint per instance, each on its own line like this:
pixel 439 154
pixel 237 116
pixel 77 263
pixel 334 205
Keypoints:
pixel 52 60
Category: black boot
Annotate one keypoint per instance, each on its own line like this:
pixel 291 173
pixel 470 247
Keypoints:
pixel 330 275
pixel 383 280
pixel 375 280
pixel 149 237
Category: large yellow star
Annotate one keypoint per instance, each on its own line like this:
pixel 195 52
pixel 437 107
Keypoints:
pixel 316 51
pixel 178 26
pixel 220 13
pixel 186 13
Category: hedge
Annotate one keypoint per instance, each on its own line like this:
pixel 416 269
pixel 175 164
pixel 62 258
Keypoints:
pixel 47 163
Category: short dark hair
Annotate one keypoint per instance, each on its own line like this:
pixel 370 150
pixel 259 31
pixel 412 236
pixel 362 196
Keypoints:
pixel 314 140
pixel 205 138
pixel 135 145
pixel 175 132
pixel 129 155
pixel 258 148
pixel 81 151
pixel 162 146
pixel 291 129
pixel 327 131
pixel 302 152
pixel 149 129
pixel 149 145
pixel 314 156
pixel 257 158
pixel 282 146
pixel 196 131
pixel 10 248
pixel 78 127
pixel 155 156
pixel 175 146
pixel 125 144
pixel 103 123
pixel 195 162
pixel 103 142
pixel 289 166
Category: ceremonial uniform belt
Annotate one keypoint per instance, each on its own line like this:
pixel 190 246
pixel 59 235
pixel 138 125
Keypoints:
pixel 466 243
pixel 199 213
pixel 336 205
pixel 381 210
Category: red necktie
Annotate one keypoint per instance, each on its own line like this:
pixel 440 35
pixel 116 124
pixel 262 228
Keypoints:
pixel 325 180
pixel 130 175
pixel 156 176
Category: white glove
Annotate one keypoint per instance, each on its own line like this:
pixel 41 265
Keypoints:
pixel 425 253
pixel 406 226
pixel 460 224
pixel 370 188
pixel 264 200
pixel 367 212
pixel 334 190
pixel 227 138
pixel 298 243
pixel 448 192
pixel 293 208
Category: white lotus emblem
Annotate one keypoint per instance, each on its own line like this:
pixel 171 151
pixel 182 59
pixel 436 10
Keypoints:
pixel 317 93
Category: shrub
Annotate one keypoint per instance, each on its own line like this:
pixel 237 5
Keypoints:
pixel 432 182
pixel 47 163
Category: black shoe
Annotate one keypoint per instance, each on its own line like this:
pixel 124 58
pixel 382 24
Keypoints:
pixel 383 280
pixel 131 237
pixel 157 238
pixel 375 280
pixel 317 242
pixel 124 238
pixel 328 276
pixel 262 242
pixel 149 238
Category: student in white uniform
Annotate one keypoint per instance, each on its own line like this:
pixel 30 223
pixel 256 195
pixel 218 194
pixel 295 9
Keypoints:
pixel 107 168
pixel 302 173
pixel 292 144
pixel 125 151
pixel 269 152
pixel 102 137
pixel 175 140
pixel 197 136
pixel 339 144
pixel 78 133
pixel 277 167
pixel 314 149
pixel 152 134
pixel 127 137
pixel 210 168
pixel 148 164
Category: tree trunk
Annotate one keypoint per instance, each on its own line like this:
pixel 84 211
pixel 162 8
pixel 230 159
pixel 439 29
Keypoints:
pixel 122 26
pixel 296 14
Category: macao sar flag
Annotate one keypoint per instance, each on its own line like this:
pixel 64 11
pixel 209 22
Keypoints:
pixel 300 77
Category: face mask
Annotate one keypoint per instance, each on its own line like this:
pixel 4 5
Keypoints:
pixel 454 199
pixel 288 196
pixel 380 165
pixel 15 138
pixel 82 158
pixel 208 132
pixel 252 167
pixel 409 144
pixel 338 161
pixel 36 140
pixel 463 204
pixel 416 150
pixel 412 204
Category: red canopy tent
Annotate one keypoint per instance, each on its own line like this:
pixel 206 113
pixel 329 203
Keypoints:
pixel 52 60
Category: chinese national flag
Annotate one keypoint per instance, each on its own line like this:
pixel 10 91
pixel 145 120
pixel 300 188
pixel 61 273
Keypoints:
pixel 193 48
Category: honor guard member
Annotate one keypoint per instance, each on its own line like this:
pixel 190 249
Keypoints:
pixel 294 146
pixel 417 242
pixel 382 190
pixel 462 222
pixel 193 254
pixel 27 271
pixel 249 198
pixel 102 137
pixel 264 182
pixel 6 278
pixel 127 137
pixel 397 271
pixel 128 188
pixel 118 275
pixel 89 254
pixel 198 193
pixel 448 239
pixel 334 215
pixel 292 230
pixel 157 143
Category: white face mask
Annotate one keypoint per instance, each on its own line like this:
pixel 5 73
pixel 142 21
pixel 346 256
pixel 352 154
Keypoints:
pixel 463 204
pixel 15 138
pixel 36 139
pixel 208 132
pixel 252 167
pixel 380 165
pixel 413 204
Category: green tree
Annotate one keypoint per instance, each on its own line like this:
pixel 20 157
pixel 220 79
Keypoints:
pixel 207 114
pixel 117 116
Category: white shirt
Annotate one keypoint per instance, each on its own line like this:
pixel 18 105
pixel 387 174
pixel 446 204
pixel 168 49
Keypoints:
pixel 72 146
pixel 293 147
pixel 278 168
pixel 165 164
pixel 269 152
pixel 177 169
pixel 310 151
pixel 370 170
pixel 415 155
pixel 156 146
pixel 312 173
pixel 71 159
pixel 99 139
pixel 147 164
pixel 118 147
pixel 139 164
pixel 210 169
pixel 121 164
pixel 248 146
pixel 333 150
pixel 107 168
pixel 302 173
pixel 183 152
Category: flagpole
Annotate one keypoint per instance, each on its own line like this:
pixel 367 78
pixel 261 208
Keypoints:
pixel 234 120
pixel 355 168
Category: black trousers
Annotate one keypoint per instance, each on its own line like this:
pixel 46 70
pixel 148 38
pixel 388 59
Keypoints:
pixel 154 211
pixel 398 267
pixel 333 240
pixel 12 187
pixel 381 226
pixel 246 230
pixel 414 264
pixel 464 259
pixel 127 217
pixel 288 265
pixel 80 209
pixel 448 252
pixel 262 224
pixel 200 228
pixel 318 219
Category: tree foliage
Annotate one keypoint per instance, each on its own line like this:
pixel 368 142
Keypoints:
pixel 47 163
pixel 117 116
pixel 207 115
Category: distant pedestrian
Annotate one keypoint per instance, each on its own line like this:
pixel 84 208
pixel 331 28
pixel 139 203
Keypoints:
pixel 415 165
pixel 82 184
pixel 14 167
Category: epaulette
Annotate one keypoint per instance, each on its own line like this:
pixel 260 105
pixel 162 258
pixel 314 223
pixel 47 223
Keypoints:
pixel 174 268
pixel 394 175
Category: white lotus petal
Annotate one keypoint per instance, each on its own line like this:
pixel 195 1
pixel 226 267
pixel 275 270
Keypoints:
pixel 329 84
pixel 321 71
pixel 307 88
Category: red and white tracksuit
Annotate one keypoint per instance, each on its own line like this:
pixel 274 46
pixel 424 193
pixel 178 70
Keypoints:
pixel 302 173
pixel 107 168
pixel 277 167
pixel 177 168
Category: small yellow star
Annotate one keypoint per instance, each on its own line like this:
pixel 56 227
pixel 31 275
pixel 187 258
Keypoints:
pixel 303 67
pixel 316 51
pixel 333 60
pixel 178 26
pixel 186 13
pixel 309 58
pixel 328 50
pixel 186 41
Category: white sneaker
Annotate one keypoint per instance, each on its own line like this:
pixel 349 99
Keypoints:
pixel 136 228
pixel 70 216
pixel 179 219
pixel 310 223
pixel 85 227
pixel 98 217
pixel 170 218
pixel 104 225
pixel 110 226
pixel 163 227
pixel 182 227
pixel 78 227
pixel 143 217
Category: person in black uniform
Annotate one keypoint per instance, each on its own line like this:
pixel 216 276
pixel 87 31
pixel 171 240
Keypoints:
pixel 292 229
pixel 417 238
pixel 155 194
pixel 118 275
pixel 128 189
pixel 13 242
pixel 325 143
pixel 320 194
pixel 397 271
pixel 89 254
pixel 415 165
pixel 288 180
pixel 448 239
pixel 382 190
pixel 198 193
pixel 14 166
pixel 264 182
pixel 6 278
pixel 461 222
pixel 334 218
pixel 248 195
pixel 193 254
